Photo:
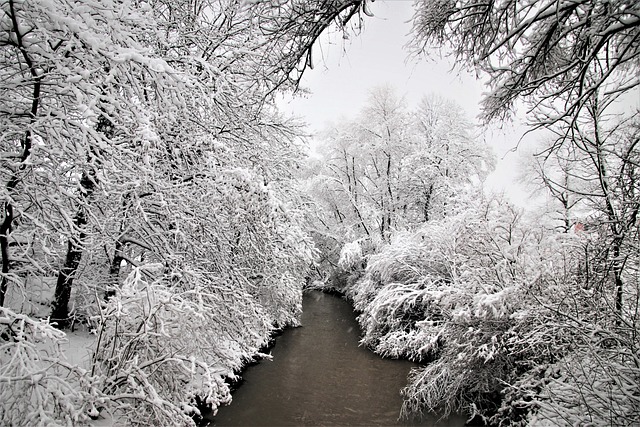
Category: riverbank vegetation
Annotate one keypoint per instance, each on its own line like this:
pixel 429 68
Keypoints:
pixel 520 317
pixel 509 321
pixel 149 212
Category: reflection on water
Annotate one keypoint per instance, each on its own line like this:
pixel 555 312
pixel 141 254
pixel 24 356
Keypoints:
pixel 320 376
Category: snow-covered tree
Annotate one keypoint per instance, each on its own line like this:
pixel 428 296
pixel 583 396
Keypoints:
pixel 143 163
pixel 537 51
pixel 445 160
pixel 392 168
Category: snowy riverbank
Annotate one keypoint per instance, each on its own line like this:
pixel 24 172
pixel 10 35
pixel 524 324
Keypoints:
pixel 484 308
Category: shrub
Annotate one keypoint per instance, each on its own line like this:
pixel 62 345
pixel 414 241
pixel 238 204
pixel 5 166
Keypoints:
pixel 37 385
pixel 505 313
pixel 154 367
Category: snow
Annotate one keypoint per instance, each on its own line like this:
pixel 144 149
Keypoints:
pixel 195 188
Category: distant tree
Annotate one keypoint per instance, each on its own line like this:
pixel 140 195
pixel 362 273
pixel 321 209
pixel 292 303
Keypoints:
pixel 363 159
pixel 445 158
pixel 384 139
pixel 602 173
pixel 343 175
pixel 554 171
pixel 393 168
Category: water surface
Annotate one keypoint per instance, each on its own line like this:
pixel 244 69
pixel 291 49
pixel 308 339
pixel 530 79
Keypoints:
pixel 320 376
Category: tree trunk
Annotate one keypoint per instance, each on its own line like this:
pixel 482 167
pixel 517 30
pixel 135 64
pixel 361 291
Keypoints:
pixel 27 142
pixel 427 203
pixel 60 305
pixel 7 222
pixel 617 277
pixel 114 271
pixel 64 283
pixel 5 229
pixel 62 295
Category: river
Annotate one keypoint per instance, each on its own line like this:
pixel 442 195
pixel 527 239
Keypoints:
pixel 320 376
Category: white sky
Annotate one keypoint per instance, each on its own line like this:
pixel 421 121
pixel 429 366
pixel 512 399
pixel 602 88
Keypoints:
pixel 345 71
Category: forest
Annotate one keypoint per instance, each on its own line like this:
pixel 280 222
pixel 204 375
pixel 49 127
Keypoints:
pixel 161 217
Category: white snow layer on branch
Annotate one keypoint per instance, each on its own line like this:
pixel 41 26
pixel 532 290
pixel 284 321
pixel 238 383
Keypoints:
pixel 37 385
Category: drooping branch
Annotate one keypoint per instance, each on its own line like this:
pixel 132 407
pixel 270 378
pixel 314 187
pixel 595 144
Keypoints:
pixel 537 51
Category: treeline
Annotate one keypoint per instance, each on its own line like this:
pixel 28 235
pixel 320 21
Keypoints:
pixel 147 196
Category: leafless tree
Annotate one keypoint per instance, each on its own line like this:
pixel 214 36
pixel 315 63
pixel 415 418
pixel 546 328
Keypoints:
pixel 537 50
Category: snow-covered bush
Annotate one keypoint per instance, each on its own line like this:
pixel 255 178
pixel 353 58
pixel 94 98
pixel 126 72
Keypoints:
pixel 351 255
pixel 499 305
pixel 405 260
pixel 348 268
pixel 403 321
pixel 37 385
pixel 496 324
pixel 590 377
pixel 597 384
pixel 153 366
pixel 482 350
pixel 396 294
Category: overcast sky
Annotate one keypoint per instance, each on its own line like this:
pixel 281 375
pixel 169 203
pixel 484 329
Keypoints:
pixel 345 71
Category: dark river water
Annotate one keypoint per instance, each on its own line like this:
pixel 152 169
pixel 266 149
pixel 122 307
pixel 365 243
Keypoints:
pixel 320 376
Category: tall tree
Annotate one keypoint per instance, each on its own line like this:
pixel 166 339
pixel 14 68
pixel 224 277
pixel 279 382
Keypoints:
pixel 602 175
pixel 393 168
